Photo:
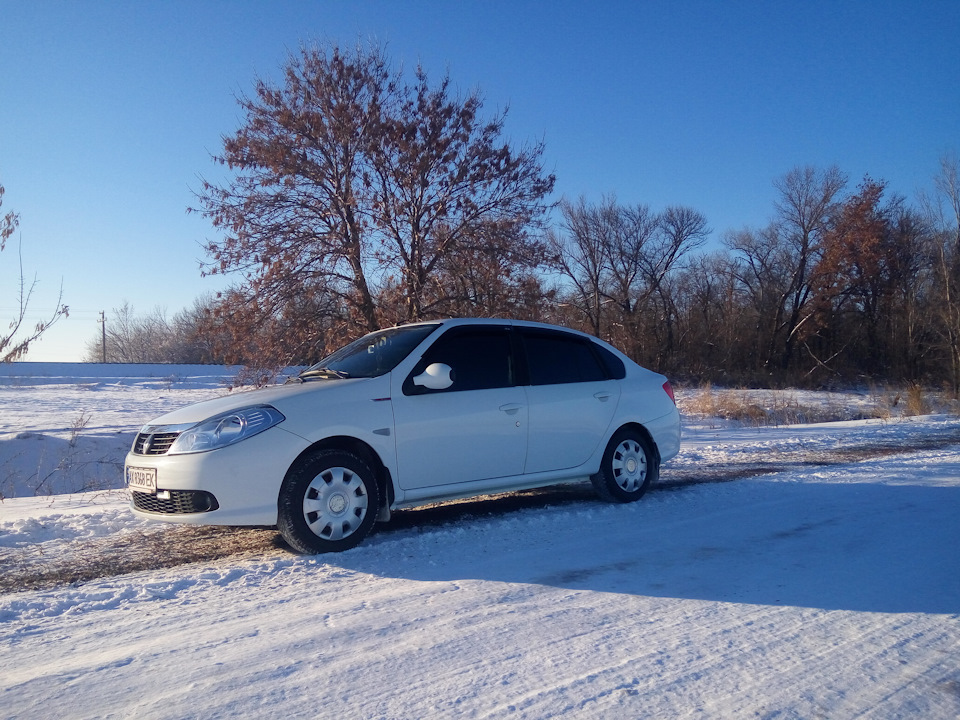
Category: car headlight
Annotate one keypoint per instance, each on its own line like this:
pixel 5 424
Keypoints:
pixel 226 429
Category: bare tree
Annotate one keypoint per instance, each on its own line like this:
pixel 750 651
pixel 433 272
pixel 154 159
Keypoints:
pixel 15 340
pixel 947 183
pixel 680 230
pixel 445 182
pixel 911 261
pixel 355 186
pixel 635 244
pixel 778 263
pixel 188 341
pixel 618 259
pixel 151 337
pixel 582 255
pixel 943 213
pixel 761 265
pixel 243 327
pixel 806 197
pixel 485 277
pixel 713 318
pixel 130 338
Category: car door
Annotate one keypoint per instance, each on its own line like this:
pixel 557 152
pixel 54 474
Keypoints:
pixel 476 429
pixel 572 399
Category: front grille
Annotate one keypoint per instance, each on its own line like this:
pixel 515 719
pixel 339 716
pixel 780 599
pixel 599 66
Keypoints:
pixel 179 502
pixel 153 443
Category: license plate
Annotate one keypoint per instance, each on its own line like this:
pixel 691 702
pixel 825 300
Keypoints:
pixel 142 479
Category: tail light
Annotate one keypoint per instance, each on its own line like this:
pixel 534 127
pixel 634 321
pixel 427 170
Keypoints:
pixel 668 389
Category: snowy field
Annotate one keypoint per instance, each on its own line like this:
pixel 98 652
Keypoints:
pixel 802 571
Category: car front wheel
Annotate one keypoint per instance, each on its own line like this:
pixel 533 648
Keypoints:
pixel 328 502
pixel 628 468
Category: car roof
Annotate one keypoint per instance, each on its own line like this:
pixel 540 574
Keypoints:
pixel 479 322
pixel 450 322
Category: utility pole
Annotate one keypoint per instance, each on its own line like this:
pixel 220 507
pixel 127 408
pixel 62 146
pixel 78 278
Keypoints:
pixel 103 346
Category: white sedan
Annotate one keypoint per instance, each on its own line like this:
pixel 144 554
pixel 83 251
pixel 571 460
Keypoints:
pixel 407 416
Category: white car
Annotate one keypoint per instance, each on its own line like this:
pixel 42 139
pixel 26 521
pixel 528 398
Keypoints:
pixel 407 416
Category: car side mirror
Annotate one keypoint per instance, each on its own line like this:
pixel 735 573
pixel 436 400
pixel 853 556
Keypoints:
pixel 437 376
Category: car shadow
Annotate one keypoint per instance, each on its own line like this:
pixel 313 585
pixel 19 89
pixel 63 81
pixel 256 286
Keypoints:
pixel 841 546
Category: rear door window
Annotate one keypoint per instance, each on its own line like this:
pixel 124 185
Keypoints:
pixel 557 358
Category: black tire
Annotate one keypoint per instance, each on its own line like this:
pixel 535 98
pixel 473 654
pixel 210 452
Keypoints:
pixel 328 502
pixel 629 466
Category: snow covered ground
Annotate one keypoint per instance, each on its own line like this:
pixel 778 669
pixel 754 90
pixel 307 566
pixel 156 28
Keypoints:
pixel 778 572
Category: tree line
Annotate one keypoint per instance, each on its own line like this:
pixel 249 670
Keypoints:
pixel 358 198
pixel 151 337
pixel 844 284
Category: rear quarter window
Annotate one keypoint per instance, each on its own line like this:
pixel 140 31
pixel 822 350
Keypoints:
pixel 614 366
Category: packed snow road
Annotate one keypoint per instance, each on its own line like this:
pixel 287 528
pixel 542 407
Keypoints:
pixel 815 590
pixel 831 592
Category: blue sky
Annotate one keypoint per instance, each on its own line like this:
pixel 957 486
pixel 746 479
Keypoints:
pixel 109 112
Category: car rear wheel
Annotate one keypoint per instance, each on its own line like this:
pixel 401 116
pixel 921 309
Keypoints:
pixel 628 468
pixel 328 502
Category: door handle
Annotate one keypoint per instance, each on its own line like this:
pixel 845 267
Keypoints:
pixel 602 396
pixel 511 408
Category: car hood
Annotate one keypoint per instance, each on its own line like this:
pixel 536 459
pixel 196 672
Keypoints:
pixel 278 396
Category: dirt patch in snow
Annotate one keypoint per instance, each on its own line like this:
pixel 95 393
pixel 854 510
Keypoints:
pixel 128 552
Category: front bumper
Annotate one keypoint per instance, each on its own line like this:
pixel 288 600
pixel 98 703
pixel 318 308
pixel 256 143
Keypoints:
pixel 235 485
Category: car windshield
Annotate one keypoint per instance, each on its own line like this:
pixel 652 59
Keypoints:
pixel 372 355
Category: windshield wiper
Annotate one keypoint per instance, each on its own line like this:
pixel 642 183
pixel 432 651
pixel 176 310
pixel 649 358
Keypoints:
pixel 323 373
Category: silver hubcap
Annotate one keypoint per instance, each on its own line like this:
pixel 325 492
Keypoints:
pixel 335 503
pixel 629 465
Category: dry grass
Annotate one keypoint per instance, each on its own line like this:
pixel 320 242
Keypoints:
pixel 757 408
pixel 918 401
